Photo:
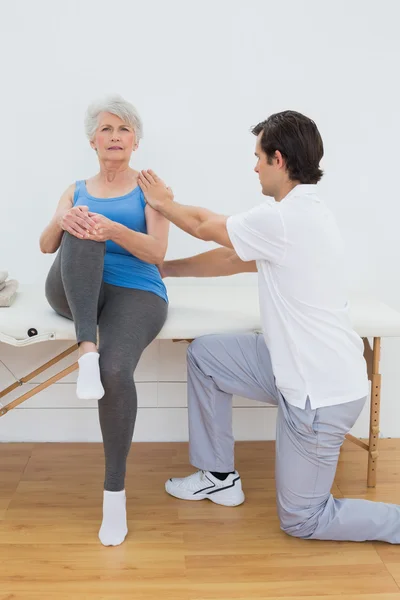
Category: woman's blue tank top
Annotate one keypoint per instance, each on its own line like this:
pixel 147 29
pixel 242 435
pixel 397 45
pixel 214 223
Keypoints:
pixel 120 267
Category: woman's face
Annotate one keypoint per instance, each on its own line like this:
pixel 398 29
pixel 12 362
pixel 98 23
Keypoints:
pixel 114 139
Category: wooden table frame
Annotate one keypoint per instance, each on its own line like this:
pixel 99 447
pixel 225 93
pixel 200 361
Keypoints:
pixel 371 354
pixel 372 357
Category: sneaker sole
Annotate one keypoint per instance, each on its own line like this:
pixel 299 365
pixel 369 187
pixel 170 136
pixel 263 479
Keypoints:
pixel 222 498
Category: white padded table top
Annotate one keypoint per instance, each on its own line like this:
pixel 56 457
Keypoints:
pixel 194 310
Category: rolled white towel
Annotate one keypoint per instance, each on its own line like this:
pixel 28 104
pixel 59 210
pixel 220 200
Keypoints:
pixel 9 293
pixel 3 276
pixel 2 285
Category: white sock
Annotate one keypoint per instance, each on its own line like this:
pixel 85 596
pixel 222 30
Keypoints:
pixel 88 385
pixel 114 526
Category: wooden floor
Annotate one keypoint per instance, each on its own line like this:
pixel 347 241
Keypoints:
pixel 50 510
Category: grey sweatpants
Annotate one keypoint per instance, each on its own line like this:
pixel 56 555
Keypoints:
pixel 308 441
pixel 128 321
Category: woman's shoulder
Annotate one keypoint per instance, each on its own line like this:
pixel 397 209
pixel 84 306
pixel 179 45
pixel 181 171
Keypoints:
pixel 78 187
pixel 67 197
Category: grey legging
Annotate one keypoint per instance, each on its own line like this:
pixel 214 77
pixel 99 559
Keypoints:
pixel 128 320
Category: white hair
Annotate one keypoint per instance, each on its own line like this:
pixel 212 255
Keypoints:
pixel 116 105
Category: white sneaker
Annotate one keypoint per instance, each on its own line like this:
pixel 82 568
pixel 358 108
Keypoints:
pixel 203 484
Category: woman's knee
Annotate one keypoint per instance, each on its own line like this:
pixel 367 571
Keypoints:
pixel 87 250
pixel 116 370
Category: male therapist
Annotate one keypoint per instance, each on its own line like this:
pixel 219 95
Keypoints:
pixel 308 362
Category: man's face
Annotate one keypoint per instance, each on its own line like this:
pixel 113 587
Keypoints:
pixel 268 174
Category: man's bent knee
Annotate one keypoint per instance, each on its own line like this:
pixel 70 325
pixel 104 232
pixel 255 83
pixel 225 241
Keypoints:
pixel 299 523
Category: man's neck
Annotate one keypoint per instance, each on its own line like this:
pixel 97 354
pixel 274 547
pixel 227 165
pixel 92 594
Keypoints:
pixel 285 189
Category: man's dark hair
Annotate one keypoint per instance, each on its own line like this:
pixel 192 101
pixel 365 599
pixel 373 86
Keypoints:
pixel 298 140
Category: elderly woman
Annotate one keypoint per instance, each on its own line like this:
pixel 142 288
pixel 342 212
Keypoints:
pixel 109 242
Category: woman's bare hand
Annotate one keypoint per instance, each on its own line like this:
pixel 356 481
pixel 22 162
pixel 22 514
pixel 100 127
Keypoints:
pixel 77 221
pixel 104 229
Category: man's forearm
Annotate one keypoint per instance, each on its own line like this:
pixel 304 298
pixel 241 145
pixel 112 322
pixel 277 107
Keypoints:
pixel 214 263
pixel 198 222
pixel 187 218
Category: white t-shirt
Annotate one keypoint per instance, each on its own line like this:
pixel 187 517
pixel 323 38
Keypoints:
pixel 304 311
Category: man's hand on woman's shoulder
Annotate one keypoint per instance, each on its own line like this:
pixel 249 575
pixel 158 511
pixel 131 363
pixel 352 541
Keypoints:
pixel 154 189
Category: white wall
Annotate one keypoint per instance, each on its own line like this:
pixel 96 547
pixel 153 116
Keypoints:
pixel 201 74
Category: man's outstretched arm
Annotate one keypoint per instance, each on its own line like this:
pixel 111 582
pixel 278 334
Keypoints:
pixel 214 263
pixel 198 222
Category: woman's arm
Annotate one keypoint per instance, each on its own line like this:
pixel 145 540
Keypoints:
pixel 149 247
pixel 75 220
pixel 214 263
pixel 51 236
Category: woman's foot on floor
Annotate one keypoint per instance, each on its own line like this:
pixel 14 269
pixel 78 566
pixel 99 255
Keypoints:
pixel 114 527
pixel 88 384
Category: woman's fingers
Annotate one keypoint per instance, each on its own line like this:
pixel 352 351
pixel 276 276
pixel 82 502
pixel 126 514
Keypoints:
pixel 99 222
pixel 80 225
pixel 84 223
pixel 75 231
pixel 72 227
pixel 77 224
pixel 81 215
pixel 91 222
pixel 83 219
pixel 97 236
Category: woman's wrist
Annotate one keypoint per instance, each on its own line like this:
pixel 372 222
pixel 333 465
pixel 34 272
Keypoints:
pixel 59 217
pixel 117 231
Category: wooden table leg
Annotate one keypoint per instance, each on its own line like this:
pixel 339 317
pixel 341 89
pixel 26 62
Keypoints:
pixel 375 378
pixel 372 358
pixel 5 409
